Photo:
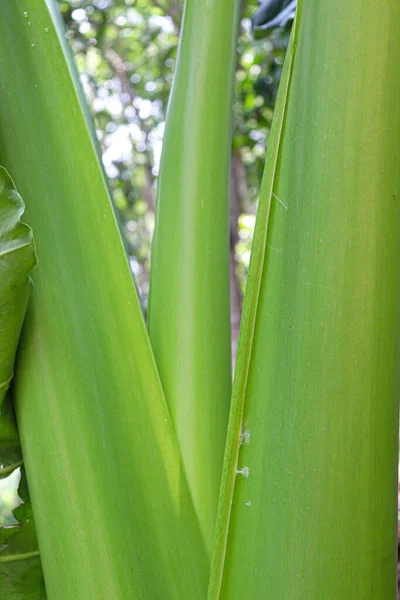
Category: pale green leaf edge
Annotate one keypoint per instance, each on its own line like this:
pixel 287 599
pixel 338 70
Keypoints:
pixel 247 328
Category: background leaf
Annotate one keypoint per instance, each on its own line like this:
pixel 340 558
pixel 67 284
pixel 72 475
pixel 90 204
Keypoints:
pixel 21 575
pixel 17 258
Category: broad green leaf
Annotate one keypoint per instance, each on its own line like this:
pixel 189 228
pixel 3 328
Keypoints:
pixel 189 322
pixel 112 507
pixel 237 434
pixel 312 479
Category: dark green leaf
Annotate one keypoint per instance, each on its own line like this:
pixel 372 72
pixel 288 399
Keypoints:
pixel 274 13
pixel 17 258
pixel 21 576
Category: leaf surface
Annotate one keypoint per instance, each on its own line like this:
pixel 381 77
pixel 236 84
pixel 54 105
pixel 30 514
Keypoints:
pixel 112 507
pixel 312 451
pixel 189 305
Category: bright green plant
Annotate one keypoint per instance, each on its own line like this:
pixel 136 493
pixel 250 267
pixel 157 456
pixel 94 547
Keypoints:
pixel 124 495
pixel 189 320
pixel 311 488
pixel 113 512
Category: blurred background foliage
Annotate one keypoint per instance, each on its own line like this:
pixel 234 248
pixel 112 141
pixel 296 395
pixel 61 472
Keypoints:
pixel 126 51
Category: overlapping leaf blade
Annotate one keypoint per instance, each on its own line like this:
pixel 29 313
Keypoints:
pixel 189 322
pixel 20 569
pixel 113 512
pixel 313 495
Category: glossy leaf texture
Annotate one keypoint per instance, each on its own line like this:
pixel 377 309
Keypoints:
pixel 113 512
pixel 189 304
pixel 17 258
pixel 313 438
pixel 237 434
